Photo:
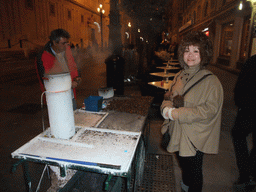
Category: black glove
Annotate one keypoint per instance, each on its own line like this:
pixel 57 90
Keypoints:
pixel 178 101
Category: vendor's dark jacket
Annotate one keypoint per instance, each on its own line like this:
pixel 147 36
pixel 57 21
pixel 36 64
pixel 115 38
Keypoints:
pixel 39 63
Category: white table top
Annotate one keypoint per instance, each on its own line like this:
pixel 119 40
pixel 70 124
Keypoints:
pixel 163 74
pixel 109 151
pixel 172 63
pixel 173 60
pixel 168 68
pixel 165 85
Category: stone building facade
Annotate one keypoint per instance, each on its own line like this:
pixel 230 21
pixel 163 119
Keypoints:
pixel 26 24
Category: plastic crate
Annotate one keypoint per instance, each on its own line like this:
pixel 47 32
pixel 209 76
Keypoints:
pixel 93 103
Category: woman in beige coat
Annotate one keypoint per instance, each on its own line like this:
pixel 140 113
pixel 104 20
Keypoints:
pixel 195 118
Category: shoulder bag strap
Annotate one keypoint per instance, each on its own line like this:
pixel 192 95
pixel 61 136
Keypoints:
pixel 195 84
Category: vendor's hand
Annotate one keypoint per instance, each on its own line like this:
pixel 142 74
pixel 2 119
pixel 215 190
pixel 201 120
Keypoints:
pixel 78 80
pixel 74 84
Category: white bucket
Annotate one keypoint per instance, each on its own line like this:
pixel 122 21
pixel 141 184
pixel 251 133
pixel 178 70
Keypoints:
pixel 59 103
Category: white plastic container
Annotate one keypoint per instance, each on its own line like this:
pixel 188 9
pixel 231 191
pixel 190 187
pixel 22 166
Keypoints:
pixel 59 103
pixel 106 93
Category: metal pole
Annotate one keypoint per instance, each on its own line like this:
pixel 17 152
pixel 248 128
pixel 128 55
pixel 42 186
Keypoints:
pixel 20 43
pixel 9 43
pixel 101 30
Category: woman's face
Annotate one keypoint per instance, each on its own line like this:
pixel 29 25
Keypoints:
pixel 192 56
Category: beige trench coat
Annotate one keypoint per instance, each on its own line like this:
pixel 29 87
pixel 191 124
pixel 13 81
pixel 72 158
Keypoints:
pixel 200 119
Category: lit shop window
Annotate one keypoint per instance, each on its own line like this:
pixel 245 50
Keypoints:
pixel 244 40
pixel 226 39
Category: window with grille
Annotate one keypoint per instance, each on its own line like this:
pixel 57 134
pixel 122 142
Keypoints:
pixel 29 4
pixel 69 15
pixel 52 9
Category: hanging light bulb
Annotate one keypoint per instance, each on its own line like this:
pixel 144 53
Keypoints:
pixel 240 5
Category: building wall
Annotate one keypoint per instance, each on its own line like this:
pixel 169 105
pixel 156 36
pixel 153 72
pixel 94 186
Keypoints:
pixel 226 26
pixel 32 21
pixel 175 20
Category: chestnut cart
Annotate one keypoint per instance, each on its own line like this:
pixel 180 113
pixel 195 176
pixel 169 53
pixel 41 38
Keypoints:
pixel 103 151
pixel 114 148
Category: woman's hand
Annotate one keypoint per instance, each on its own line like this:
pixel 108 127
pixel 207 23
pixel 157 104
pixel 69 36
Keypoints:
pixel 174 114
pixel 171 113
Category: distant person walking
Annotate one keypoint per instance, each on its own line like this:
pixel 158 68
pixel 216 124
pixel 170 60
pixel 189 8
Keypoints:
pixel 245 95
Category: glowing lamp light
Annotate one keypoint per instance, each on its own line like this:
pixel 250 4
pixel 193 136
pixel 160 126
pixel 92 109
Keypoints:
pixel 251 1
pixel 205 29
pixel 240 7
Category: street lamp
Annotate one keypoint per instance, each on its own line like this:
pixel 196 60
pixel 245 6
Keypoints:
pixel 130 25
pixel 101 11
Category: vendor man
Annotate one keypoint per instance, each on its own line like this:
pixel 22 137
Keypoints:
pixel 56 57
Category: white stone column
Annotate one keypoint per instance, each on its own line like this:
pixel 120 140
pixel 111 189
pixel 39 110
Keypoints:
pixel 236 41
pixel 253 29
pixel 216 44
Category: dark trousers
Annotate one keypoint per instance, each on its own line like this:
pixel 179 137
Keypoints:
pixel 192 172
pixel 246 160
pixel 74 104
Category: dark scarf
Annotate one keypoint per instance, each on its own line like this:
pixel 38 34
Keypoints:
pixel 39 61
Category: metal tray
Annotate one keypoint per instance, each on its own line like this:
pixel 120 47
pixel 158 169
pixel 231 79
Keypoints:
pixel 108 151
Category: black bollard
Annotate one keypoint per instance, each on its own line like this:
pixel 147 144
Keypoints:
pixel 115 73
pixel 20 43
pixel 9 43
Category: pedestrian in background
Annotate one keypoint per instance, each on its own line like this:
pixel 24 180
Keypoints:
pixel 56 57
pixel 196 117
pixel 245 124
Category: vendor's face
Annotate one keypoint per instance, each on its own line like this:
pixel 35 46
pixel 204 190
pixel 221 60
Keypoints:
pixel 192 56
pixel 61 45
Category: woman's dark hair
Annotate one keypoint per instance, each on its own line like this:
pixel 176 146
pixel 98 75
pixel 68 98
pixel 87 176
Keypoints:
pixel 199 39
pixel 57 34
